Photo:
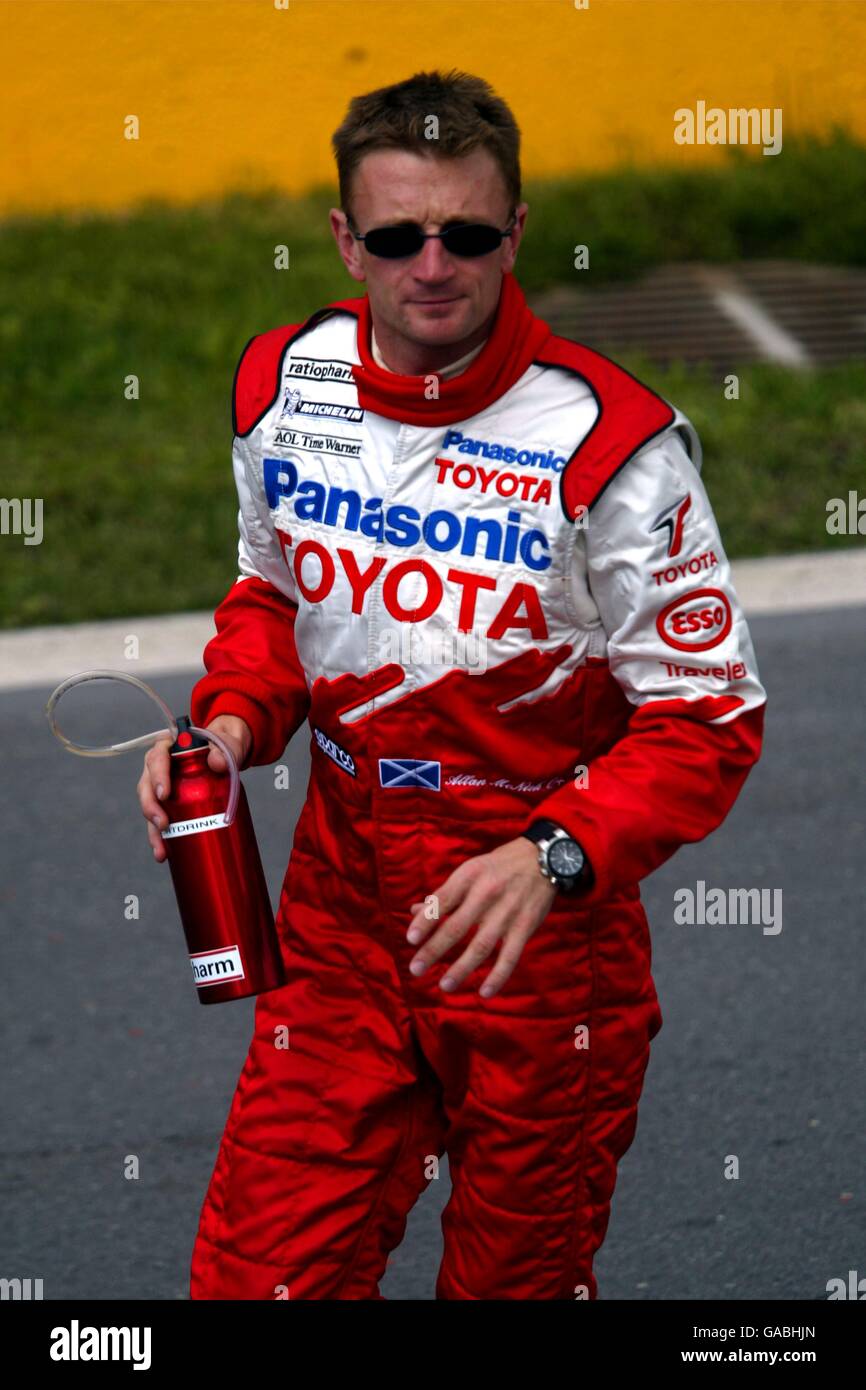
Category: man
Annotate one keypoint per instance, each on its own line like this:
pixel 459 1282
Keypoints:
pixel 468 958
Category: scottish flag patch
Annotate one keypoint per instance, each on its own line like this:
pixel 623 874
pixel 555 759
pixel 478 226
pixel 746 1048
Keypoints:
pixel 410 772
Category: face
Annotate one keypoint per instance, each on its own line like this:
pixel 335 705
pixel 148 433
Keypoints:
pixel 432 298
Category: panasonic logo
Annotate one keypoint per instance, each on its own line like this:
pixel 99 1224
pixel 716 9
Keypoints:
pixel 527 458
pixel 441 530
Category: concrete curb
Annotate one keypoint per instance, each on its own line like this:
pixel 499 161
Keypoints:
pixel 44 656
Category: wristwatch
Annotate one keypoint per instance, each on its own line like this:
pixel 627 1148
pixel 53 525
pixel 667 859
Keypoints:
pixel 560 857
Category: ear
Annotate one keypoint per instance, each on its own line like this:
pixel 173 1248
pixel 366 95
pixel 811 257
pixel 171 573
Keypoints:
pixel 511 243
pixel 347 245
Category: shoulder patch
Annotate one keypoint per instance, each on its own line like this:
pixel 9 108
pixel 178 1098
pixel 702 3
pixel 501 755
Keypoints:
pixel 629 416
pixel 258 373
pixel 257 376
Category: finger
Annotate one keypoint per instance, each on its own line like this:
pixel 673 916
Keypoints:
pixel 425 917
pixel 157 843
pixel 509 954
pixel 150 806
pixel 157 820
pixel 445 900
pixel 452 930
pixel 158 764
pixel 216 758
pixel 487 937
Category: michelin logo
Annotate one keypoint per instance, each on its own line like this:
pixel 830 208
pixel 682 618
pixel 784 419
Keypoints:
pixel 295 404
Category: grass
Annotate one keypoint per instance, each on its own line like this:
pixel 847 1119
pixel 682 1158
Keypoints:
pixel 139 502
pixel 808 203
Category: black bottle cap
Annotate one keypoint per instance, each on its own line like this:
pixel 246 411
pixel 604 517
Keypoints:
pixel 185 741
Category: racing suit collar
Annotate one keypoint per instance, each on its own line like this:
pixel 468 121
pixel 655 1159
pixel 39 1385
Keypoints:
pixel 459 365
pixel 515 339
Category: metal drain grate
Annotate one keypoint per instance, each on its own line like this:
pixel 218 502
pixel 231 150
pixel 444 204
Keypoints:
pixel 753 311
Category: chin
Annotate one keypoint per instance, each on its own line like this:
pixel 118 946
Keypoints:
pixel 440 321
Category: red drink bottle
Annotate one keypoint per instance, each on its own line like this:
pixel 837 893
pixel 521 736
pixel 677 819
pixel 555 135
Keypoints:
pixel 218 879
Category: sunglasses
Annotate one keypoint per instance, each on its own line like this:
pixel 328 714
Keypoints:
pixel 466 239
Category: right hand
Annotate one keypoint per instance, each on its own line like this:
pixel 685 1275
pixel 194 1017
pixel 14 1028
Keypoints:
pixel 155 781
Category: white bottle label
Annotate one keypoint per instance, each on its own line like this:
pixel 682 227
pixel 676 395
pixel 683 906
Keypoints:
pixel 194 827
pixel 215 967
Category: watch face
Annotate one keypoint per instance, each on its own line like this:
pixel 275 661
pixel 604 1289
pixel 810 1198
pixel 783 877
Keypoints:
pixel 565 858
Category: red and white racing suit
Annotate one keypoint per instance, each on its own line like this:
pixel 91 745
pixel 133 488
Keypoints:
pixel 503 601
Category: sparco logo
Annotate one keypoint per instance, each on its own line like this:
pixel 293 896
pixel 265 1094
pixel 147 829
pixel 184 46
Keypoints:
pixel 699 620
pixel 335 752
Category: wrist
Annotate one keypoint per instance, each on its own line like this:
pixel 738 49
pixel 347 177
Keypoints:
pixel 561 858
pixel 235 728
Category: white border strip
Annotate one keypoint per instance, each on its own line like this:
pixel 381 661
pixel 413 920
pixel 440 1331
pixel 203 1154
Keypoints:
pixel 798 583
pixel 44 656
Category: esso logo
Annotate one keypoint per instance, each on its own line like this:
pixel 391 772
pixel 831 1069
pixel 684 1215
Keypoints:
pixel 697 621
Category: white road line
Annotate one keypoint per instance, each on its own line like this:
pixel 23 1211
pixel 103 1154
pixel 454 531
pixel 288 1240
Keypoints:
pixel 773 341
pixel 44 656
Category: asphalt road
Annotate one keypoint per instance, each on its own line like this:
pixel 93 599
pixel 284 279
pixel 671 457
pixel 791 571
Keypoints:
pixel 762 1054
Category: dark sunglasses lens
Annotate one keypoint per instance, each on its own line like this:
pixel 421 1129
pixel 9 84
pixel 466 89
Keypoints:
pixel 393 242
pixel 471 240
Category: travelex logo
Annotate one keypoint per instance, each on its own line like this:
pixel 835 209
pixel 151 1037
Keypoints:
pixel 400 525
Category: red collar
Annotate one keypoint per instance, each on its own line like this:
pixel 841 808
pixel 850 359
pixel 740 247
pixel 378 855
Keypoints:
pixel 515 339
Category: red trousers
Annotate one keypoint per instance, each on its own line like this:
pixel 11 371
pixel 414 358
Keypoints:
pixel 359 1076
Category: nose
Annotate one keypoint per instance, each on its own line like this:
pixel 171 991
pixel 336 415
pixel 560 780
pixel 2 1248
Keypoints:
pixel 433 262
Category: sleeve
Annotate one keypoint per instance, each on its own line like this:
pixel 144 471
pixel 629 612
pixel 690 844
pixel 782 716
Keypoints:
pixel 680 650
pixel 252 664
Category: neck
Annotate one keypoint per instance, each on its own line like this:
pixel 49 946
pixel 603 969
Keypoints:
pixel 516 338
pixel 407 358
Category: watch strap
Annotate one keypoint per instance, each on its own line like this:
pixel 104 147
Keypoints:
pixel 541 830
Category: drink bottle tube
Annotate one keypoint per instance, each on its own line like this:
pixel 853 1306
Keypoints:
pixel 212 853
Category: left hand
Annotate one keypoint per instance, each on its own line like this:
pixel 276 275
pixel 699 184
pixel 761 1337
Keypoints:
pixel 504 894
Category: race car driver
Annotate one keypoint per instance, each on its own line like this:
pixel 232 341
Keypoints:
pixel 468 958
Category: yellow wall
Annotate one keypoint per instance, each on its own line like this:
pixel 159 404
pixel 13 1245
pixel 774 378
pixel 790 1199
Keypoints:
pixel 239 93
